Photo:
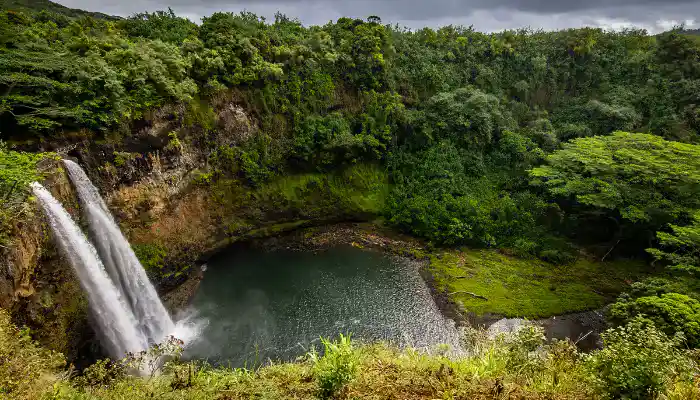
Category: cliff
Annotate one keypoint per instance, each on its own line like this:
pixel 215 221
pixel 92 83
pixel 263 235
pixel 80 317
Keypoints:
pixel 174 207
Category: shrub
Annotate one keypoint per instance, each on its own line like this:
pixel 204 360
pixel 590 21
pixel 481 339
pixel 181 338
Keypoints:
pixel 336 368
pixel 638 362
pixel 25 368
pixel 521 346
pixel 104 373
pixel 671 313
pixel 557 257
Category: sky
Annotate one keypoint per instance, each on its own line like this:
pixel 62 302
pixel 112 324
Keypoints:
pixel 484 15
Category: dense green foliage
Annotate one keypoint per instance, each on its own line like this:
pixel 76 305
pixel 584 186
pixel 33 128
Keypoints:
pixel 680 247
pixel 658 299
pixel 671 312
pixel 457 117
pixel 27 369
pixel 551 145
pixel 79 75
pixel 49 7
pixel 17 171
pixel 639 362
pixel 643 178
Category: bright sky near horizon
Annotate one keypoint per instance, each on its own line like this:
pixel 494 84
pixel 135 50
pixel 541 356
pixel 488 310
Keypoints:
pixel 484 15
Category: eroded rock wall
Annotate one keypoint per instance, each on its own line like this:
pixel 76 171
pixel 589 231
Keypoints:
pixel 37 284
pixel 156 179
pixel 146 177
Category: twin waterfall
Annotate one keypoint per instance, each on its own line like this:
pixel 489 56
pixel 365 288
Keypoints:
pixel 124 304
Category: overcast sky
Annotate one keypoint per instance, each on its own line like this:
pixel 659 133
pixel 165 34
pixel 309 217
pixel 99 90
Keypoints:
pixel 485 15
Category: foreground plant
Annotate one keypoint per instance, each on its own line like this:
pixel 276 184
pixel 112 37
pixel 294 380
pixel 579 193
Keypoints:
pixel 25 368
pixel 336 367
pixel 639 362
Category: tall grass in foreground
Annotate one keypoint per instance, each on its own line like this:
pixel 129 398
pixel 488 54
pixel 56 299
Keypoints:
pixel 638 362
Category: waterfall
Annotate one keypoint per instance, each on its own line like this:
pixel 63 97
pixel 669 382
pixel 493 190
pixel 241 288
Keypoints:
pixel 121 263
pixel 115 322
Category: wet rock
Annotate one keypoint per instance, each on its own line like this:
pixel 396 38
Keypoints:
pixel 583 328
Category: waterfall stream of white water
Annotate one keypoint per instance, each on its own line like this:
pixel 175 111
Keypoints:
pixel 121 263
pixel 115 322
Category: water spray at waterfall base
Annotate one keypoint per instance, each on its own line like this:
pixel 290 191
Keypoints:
pixel 129 315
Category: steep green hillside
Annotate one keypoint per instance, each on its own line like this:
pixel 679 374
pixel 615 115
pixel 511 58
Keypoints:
pixel 37 6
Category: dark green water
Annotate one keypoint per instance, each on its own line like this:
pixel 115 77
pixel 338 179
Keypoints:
pixel 275 305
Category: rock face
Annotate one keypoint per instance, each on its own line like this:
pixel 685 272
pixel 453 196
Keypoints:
pixel 36 284
pixel 154 180
pixel 147 180
pixel 584 328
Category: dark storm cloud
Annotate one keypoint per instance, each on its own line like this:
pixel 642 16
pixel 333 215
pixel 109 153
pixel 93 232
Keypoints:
pixel 486 15
pixel 421 9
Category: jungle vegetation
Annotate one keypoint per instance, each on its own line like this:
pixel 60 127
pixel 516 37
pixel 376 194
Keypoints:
pixel 550 145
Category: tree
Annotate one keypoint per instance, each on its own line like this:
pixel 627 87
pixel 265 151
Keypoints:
pixel 466 116
pixel 642 177
pixel 638 361
pixel 161 25
pixel 435 197
pixel 680 248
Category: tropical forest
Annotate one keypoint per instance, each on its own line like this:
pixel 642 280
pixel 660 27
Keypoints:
pixel 256 208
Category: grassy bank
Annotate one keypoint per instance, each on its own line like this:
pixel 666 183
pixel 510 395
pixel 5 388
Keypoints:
pixel 531 288
pixel 640 363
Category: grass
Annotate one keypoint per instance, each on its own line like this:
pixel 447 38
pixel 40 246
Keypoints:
pixel 378 371
pixel 529 288
pixel 512 366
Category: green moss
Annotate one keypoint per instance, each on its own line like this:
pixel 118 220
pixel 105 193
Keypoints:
pixel 151 256
pixel 155 260
pixel 528 288
pixel 360 189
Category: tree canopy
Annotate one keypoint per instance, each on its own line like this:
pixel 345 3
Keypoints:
pixel 641 176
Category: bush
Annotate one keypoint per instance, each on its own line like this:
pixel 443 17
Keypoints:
pixel 26 369
pixel 671 313
pixel 336 368
pixel 434 197
pixel 638 362
pixel 103 373
pixel 522 344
